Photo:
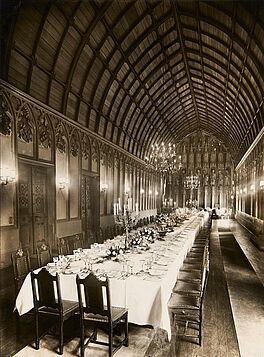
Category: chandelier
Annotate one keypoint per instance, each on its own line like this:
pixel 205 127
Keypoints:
pixel 191 182
pixel 164 158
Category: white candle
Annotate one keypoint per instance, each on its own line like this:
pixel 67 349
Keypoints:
pixel 119 204
pixel 130 204
pixel 136 205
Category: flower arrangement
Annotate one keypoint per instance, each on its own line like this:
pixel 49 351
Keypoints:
pixel 19 252
pixel 43 246
pixel 114 251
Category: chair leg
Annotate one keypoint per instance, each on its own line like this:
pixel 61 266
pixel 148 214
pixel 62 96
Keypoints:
pixel 61 337
pixel 110 340
pixel 37 331
pixel 82 338
pixel 126 331
pixel 94 335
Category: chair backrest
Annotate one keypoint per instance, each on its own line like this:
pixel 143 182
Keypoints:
pixel 94 295
pixel 21 265
pixel 100 235
pixel 63 247
pixel 44 292
pixel 77 242
pixel 44 255
pixel 109 232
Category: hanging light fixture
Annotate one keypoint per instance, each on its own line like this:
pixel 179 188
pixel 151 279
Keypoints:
pixel 164 158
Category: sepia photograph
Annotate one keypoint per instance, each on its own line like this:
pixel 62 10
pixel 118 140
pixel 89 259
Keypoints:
pixel 132 178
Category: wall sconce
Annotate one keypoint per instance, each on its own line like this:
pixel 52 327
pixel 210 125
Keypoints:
pixel 63 182
pixel 7 176
pixel 142 191
pixel 156 193
pixel 127 190
pixel 103 187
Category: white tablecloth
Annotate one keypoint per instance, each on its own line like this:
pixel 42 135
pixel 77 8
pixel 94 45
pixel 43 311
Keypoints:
pixel 145 297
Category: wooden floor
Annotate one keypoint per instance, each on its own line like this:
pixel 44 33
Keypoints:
pixel 221 333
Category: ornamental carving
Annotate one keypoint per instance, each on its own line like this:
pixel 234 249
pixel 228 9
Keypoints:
pixel 75 144
pixel 16 102
pixel 103 158
pixel 103 155
pixel 23 195
pixel 110 159
pixel 5 117
pixel 86 151
pixel 60 138
pixel 95 155
pixel 25 126
pixel 44 130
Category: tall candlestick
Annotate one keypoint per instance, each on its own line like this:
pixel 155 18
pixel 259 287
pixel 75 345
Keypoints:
pixel 129 204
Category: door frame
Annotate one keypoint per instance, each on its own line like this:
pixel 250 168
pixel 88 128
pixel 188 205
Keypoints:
pixel 50 200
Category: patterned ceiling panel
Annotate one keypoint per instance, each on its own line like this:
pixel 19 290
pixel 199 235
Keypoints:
pixel 144 72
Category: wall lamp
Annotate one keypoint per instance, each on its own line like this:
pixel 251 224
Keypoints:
pixel 63 182
pixel 103 187
pixel 7 176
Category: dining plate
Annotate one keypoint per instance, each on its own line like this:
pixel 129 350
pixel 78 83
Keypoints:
pixel 51 265
pixel 154 273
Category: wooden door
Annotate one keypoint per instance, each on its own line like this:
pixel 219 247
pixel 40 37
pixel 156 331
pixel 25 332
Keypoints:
pixel 90 207
pixel 34 215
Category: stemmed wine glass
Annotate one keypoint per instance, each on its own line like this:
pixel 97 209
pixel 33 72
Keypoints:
pixel 55 260
pixel 86 260
pixel 130 264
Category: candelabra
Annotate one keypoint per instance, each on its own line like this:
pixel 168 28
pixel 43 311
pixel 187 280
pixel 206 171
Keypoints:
pixel 124 217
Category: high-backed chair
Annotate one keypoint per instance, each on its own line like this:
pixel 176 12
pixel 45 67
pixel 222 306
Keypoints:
pixel 100 235
pixel 186 312
pixel 44 255
pixel 78 242
pixel 48 303
pixel 21 267
pixel 97 312
pixel 63 247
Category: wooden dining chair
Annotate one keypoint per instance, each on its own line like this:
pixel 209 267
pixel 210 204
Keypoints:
pixel 77 242
pixel 48 303
pixel 186 313
pixel 44 255
pixel 97 312
pixel 21 267
pixel 63 247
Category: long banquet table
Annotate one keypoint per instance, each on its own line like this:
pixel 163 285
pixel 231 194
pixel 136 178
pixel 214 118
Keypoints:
pixel 144 294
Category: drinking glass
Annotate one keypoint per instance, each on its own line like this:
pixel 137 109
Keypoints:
pixel 130 264
pixel 55 260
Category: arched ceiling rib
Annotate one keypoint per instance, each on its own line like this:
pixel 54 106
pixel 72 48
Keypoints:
pixel 141 72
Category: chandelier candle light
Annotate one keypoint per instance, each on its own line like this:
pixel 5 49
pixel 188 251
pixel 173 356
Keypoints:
pixel 164 158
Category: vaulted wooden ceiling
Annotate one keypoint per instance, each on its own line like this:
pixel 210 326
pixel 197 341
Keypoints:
pixel 144 72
